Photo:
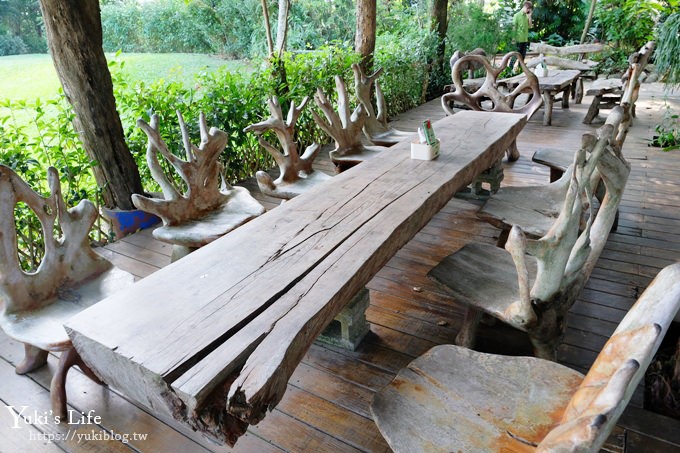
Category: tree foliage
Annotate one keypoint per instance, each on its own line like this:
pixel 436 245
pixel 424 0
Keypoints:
pixel 629 24
pixel 21 29
pixel 668 49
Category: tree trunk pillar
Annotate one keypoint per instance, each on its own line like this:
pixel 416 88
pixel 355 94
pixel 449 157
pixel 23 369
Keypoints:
pixel 74 36
pixel 364 42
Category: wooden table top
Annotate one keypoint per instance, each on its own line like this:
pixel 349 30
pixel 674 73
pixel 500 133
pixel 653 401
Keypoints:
pixel 557 79
pixel 232 320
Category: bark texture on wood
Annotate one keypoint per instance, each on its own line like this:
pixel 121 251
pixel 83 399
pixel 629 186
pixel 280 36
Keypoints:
pixel 74 35
pixel 589 20
pixel 364 41
pixel 440 24
pixel 282 27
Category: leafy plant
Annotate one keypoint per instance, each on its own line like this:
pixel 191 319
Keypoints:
pixel 668 49
pixel 470 28
pixel 558 17
pixel 628 23
pixel 668 131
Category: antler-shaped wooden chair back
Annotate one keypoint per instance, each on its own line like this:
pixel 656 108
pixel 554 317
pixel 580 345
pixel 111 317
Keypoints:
pixel 447 399
pixel 499 102
pixel 376 128
pixel 296 172
pixel 345 127
pixel 70 277
pixel 210 207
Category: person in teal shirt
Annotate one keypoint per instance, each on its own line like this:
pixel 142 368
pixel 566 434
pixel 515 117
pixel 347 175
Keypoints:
pixel 521 23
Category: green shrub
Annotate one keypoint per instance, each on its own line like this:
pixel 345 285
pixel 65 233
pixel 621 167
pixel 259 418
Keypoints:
pixel 121 24
pixel 231 102
pixel 470 28
pixel 12 45
pixel 628 23
pixel 668 49
pixel 36 134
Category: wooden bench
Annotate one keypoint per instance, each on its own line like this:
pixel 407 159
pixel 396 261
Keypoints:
pixel 559 57
pixel 607 92
pixel 209 208
pixel 70 278
pixel 296 173
pixel 456 399
pixel 216 336
pixel 534 292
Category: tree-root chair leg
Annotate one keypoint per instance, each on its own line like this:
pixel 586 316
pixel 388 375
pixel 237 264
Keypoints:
pixel 68 359
pixel 34 358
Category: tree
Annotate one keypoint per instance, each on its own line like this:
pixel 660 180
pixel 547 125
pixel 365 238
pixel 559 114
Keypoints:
pixel 440 24
pixel 275 56
pixel 364 42
pixel 589 20
pixel 21 19
pixel 74 36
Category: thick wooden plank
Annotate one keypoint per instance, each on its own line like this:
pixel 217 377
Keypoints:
pixel 319 262
pixel 120 416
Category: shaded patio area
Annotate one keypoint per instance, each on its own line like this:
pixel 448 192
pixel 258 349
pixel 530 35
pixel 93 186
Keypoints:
pixel 326 406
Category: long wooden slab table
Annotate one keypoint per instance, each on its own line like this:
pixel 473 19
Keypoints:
pixel 557 81
pixel 213 338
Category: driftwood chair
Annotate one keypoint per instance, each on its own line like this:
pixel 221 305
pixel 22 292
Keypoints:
pixel 607 92
pixel 534 285
pixel 376 128
pixel 456 399
pixel 345 127
pixel 209 208
pixel 71 277
pixel 471 83
pixel 488 97
pixel 535 208
pixel 296 174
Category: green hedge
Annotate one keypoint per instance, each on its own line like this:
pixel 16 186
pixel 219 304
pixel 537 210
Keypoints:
pixel 36 134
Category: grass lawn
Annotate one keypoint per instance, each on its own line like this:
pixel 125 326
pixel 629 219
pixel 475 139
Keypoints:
pixel 29 77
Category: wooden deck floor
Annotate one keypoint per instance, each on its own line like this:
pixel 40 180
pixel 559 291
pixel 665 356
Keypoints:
pixel 326 406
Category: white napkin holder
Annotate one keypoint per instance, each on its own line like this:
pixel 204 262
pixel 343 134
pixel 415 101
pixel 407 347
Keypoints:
pixel 423 151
